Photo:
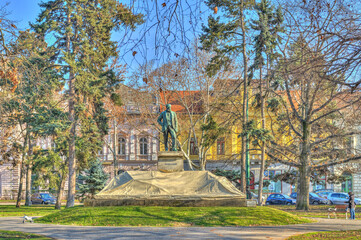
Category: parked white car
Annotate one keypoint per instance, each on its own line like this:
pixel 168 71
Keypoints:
pixel 340 198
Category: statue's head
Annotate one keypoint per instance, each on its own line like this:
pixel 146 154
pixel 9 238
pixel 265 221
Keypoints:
pixel 168 107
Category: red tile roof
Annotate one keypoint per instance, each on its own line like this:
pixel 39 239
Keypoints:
pixel 181 100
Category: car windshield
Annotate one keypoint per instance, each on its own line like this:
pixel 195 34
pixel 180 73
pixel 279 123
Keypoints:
pixel 45 195
pixel 314 194
pixel 286 196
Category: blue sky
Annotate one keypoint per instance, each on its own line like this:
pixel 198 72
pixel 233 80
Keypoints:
pixel 23 11
pixel 147 41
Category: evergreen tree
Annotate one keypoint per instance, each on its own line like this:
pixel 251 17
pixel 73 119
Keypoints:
pixel 31 100
pixel 268 26
pixel 81 32
pixel 227 38
pixel 93 180
pixel 50 165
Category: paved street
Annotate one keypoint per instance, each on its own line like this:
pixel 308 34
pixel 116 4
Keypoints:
pixel 127 233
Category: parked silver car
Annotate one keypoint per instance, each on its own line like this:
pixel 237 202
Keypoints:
pixel 341 198
pixel 323 192
pixel 43 198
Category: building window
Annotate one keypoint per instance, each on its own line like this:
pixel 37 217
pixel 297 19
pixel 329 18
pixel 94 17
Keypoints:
pixel 143 146
pixel 220 146
pixel 193 147
pixel 121 146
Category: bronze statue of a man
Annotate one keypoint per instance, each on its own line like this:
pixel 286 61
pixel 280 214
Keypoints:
pixel 168 121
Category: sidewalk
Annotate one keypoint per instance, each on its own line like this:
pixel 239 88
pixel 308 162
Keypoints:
pixel 132 233
pixel 22 203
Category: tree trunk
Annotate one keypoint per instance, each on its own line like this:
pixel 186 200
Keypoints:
pixel 243 165
pixel 72 118
pixel 21 179
pixel 28 185
pixel 304 171
pixel 60 190
pixel 263 146
pixel 204 159
pixel 28 175
pixel 261 173
pixel 245 104
pixel 115 161
pixel 22 171
pixel 303 189
pixel 72 160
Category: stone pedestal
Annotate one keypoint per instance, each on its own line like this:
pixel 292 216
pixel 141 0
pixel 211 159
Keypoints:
pixel 170 161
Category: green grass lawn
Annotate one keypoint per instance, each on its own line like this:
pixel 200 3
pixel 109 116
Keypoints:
pixel 345 235
pixel 12 235
pixel 34 210
pixel 317 211
pixel 171 216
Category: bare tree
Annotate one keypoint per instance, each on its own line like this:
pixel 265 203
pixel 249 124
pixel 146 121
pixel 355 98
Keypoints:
pixel 318 112
pixel 167 33
pixel 8 73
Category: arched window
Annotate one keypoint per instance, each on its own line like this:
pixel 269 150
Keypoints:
pixel 121 146
pixel 143 146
